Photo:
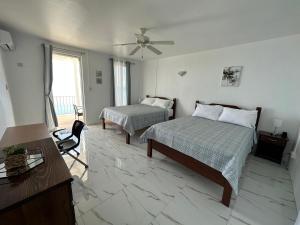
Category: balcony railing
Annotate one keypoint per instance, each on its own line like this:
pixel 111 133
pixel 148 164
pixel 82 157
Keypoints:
pixel 64 104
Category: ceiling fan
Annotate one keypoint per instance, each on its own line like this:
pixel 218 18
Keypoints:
pixel 143 41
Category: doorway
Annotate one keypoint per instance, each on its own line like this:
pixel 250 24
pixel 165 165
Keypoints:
pixel 67 89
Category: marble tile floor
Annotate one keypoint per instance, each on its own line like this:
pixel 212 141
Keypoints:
pixel 123 186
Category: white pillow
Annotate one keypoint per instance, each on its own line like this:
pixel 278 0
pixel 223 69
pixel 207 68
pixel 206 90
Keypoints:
pixel 163 103
pixel 211 112
pixel 148 101
pixel 246 118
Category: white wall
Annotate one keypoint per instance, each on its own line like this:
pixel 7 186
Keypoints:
pixel 100 95
pixel 6 111
pixel 27 81
pixel 270 79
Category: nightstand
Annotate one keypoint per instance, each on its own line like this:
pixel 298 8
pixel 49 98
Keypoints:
pixel 270 146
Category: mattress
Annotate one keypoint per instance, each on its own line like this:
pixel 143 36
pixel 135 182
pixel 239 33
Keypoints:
pixel 135 117
pixel 222 146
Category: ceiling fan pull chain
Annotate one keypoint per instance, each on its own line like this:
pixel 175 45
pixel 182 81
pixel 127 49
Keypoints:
pixel 142 52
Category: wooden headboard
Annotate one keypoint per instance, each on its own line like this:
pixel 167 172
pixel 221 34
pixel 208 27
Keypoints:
pixel 237 107
pixel 173 107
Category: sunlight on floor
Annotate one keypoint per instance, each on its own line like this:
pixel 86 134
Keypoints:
pixel 65 121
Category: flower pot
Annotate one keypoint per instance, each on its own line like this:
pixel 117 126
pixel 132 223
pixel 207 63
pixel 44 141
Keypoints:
pixel 14 161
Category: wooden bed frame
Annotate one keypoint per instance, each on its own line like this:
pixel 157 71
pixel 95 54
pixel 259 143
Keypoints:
pixel 104 122
pixel 199 167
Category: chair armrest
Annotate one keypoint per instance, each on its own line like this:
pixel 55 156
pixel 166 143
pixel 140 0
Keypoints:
pixel 54 133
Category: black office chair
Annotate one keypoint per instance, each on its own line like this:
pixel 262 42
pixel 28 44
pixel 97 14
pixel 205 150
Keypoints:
pixel 68 144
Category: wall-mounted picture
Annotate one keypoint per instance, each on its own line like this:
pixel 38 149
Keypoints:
pixel 98 77
pixel 231 76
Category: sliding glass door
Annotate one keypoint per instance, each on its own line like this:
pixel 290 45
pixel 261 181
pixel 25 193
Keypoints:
pixel 67 88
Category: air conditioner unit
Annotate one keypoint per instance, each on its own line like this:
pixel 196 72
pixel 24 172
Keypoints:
pixel 6 41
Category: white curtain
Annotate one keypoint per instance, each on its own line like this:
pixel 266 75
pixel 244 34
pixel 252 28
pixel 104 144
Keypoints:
pixel 121 83
pixel 66 70
pixel 50 115
pixel 297 146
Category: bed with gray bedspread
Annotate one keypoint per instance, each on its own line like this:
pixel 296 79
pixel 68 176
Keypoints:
pixel 134 117
pixel 222 146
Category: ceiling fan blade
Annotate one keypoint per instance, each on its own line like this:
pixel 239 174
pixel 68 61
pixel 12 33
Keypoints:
pixel 125 44
pixel 155 50
pixel 135 50
pixel 162 42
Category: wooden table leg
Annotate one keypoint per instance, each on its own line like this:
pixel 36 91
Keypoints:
pixel 103 123
pixel 127 138
pixel 149 148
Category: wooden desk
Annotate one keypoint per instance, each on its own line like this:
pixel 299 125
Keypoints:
pixel 24 134
pixel 42 196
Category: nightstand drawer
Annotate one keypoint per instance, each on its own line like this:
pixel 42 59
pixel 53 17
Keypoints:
pixel 270 147
pixel 268 151
pixel 272 140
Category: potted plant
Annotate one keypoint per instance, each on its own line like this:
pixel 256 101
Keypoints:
pixel 15 156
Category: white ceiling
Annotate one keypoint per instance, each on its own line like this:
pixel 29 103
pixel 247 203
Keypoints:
pixel 194 25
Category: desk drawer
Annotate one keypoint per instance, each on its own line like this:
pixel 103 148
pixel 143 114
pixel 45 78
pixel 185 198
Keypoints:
pixel 48 208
